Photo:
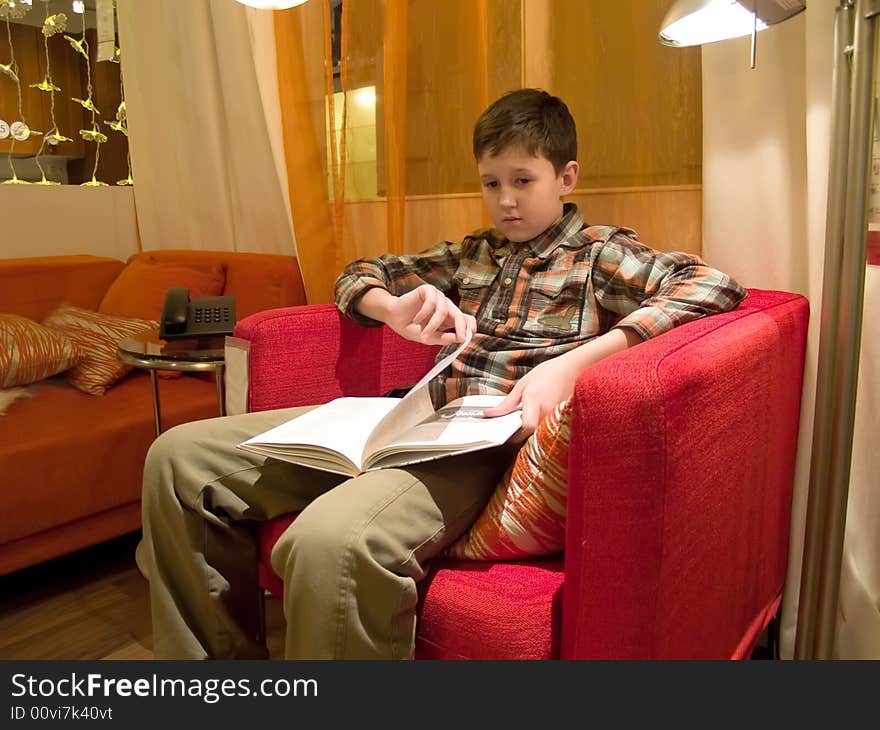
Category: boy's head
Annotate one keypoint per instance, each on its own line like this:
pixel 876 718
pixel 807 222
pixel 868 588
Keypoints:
pixel 532 120
pixel 525 144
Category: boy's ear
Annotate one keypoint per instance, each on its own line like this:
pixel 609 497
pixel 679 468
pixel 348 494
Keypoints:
pixel 569 177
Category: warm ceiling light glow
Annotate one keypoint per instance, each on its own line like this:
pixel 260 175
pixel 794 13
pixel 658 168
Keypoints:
pixel 716 21
pixel 272 4
pixel 79 7
pixel 366 96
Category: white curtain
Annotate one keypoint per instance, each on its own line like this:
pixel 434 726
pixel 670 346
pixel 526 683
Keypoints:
pixel 765 164
pixel 205 128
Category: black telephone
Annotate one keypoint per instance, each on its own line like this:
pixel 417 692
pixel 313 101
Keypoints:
pixel 196 317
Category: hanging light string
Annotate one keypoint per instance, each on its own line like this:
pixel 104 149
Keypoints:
pixel 121 123
pixel 8 8
pixel 51 25
pixel 94 134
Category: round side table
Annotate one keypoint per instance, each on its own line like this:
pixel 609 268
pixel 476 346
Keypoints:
pixel 196 354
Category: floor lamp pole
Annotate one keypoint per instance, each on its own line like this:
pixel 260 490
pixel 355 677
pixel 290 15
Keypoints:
pixel 841 324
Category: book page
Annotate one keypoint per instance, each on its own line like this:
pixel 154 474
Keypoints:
pixel 342 425
pixel 457 427
pixel 414 407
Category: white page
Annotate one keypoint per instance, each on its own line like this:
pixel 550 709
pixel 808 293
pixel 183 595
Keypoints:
pixel 456 428
pixel 414 407
pixel 343 425
pixel 462 422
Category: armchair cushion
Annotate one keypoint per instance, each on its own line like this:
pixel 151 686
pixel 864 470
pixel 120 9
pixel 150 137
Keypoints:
pixel 525 516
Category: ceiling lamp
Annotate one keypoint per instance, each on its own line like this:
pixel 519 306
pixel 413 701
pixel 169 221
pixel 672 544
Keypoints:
pixel 271 4
pixel 695 22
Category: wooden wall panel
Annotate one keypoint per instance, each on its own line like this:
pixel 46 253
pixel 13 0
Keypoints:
pixel 637 104
pixel 668 219
pixel 445 89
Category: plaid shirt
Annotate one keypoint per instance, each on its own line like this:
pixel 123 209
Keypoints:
pixel 536 300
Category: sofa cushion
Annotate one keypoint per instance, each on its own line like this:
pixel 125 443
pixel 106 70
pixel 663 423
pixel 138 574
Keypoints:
pixel 258 281
pixel 525 516
pixel 139 291
pixel 475 610
pixel 98 336
pixel 30 352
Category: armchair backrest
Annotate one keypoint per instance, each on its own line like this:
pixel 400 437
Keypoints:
pixel 680 481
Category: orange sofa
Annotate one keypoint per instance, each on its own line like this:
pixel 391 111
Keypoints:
pixel 71 463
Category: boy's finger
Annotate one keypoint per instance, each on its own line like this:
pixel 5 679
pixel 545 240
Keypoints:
pixel 531 416
pixel 471 323
pixel 508 405
pixel 427 308
pixel 437 319
pixel 461 324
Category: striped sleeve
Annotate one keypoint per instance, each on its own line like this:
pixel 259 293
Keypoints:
pixel 654 291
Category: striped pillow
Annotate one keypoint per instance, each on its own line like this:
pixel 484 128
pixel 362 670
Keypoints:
pixel 30 352
pixel 525 516
pixel 98 336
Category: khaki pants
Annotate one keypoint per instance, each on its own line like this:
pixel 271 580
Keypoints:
pixel 350 561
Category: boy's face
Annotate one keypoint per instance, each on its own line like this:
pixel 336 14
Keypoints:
pixel 522 192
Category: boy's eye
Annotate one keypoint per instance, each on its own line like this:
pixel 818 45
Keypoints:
pixel 523 181
pixel 490 184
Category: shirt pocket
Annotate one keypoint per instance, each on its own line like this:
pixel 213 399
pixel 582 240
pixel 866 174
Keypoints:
pixel 474 288
pixel 556 303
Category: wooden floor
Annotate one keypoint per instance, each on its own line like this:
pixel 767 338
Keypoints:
pixel 93 604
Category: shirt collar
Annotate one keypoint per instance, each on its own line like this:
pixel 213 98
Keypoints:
pixel 570 223
pixel 544 244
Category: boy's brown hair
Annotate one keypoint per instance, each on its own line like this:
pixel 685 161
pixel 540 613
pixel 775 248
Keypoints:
pixel 531 119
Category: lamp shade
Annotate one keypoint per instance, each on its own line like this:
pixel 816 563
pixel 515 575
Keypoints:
pixel 695 22
pixel 271 4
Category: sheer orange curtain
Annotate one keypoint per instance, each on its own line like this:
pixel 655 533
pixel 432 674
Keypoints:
pixel 394 94
pixel 299 35
pixel 393 181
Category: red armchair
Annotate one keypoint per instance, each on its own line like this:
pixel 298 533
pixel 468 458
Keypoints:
pixel 679 497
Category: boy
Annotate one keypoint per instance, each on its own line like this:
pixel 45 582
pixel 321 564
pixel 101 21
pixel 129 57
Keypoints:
pixel 543 295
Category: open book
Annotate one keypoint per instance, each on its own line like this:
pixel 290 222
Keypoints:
pixel 354 435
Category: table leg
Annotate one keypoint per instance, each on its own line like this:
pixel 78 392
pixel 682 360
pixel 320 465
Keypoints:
pixel 154 382
pixel 218 378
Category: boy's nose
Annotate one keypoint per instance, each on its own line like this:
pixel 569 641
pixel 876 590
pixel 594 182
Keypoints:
pixel 507 199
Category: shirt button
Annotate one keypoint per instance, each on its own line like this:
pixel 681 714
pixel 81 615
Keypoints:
pixel 466 280
pixel 508 281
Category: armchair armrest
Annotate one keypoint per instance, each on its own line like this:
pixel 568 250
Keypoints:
pixel 311 354
pixel 681 469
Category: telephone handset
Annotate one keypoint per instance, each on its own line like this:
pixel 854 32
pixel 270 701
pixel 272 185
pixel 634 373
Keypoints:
pixel 196 317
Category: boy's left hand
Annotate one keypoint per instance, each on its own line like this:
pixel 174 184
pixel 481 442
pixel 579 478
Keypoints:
pixel 551 382
pixel 538 392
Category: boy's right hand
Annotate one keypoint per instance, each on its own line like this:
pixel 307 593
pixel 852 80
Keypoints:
pixel 426 315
